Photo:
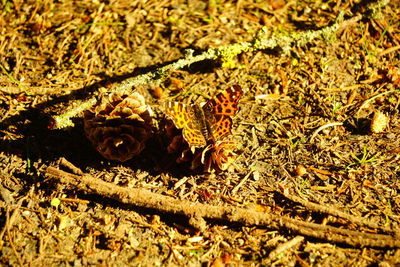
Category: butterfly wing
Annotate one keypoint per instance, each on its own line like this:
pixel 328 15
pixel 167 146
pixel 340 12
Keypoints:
pixel 185 118
pixel 218 111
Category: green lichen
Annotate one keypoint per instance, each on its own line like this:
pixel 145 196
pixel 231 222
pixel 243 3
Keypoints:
pixel 227 54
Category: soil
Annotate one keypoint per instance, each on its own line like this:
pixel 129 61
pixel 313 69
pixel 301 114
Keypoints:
pixel 317 135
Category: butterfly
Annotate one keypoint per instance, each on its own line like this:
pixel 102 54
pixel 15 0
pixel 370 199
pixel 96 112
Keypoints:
pixel 209 123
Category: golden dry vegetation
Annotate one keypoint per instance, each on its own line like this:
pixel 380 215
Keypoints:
pixel 315 180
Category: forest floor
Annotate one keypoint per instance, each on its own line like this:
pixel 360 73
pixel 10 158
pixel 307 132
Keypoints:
pixel 315 180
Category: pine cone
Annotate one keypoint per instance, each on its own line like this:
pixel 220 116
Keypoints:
pixel 222 154
pixel 218 156
pixel 119 125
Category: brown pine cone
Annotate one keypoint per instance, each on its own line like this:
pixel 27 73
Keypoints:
pixel 218 156
pixel 119 125
pixel 222 154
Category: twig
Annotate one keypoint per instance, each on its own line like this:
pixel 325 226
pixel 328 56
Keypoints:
pixel 145 224
pixel 337 213
pixel 64 120
pixel 65 163
pixel 8 226
pixel 146 199
pixel 240 184
pixel 74 200
pixel 295 242
pixel 10 219
pixel 20 86
pixel 324 127
pixel 366 102
pixel 263 40
pixel 389 50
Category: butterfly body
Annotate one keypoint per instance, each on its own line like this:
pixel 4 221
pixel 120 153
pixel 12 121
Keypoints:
pixel 209 123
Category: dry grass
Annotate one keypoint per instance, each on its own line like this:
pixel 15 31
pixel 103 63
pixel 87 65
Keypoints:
pixel 303 129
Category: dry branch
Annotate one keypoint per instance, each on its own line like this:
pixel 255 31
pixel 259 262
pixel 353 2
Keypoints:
pixel 340 214
pixel 264 39
pixel 146 199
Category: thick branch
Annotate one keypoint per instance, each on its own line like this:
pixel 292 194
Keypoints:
pixel 146 199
